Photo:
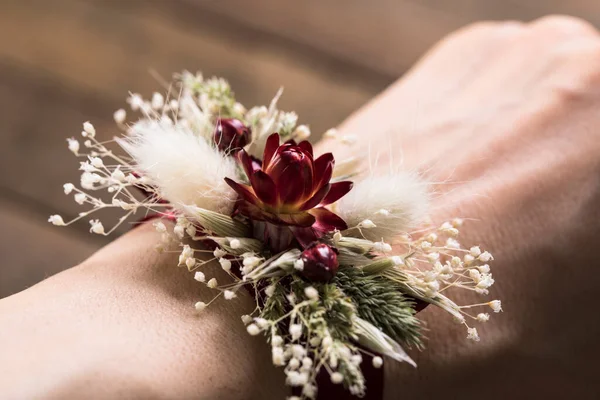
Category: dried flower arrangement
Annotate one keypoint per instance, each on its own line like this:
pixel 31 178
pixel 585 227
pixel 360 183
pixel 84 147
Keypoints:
pixel 332 253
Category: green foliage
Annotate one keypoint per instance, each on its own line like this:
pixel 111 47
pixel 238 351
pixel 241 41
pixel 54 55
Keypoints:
pixel 379 301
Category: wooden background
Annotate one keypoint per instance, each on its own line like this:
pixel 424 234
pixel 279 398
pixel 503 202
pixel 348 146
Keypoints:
pixel 64 62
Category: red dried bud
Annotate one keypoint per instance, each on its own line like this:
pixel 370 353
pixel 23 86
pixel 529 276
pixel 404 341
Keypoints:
pixel 231 134
pixel 320 262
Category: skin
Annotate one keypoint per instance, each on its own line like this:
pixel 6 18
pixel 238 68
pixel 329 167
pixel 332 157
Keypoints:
pixel 504 117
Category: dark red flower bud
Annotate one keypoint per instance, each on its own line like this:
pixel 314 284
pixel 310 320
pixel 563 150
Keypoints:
pixel 231 134
pixel 320 262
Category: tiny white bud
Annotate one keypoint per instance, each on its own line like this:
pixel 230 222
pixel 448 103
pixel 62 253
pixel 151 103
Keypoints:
pixel 199 276
pixel 228 294
pixel 495 305
pixel 219 253
pixel 367 224
pixel 356 359
pixel 190 262
pixel 302 132
pixel 234 244
pixel 270 290
pixel 68 188
pixel 89 129
pixel 212 283
pixel 330 133
pixel 457 222
pixel 483 317
pixel 160 227
pixel 307 362
pixel 383 212
pixel 276 340
pixel 239 108
pixel 87 143
pixel 158 101
pixel 253 329
pixel 475 251
pixel 118 175
pixel 200 306
pixel 296 331
pixel 337 378
pixel 225 264
pixel 96 227
pixel 472 334
pixel 179 231
pixel 377 362
pixel 294 363
pixel 246 319
pixel 299 264
pixel 278 356
pixel 326 342
pixel 56 220
pixel 485 257
pixel 97 162
pixel 397 260
pixel 311 293
pixel 73 145
pixel 120 116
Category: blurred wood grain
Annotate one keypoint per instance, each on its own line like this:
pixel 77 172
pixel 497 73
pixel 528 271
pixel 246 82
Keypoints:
pixel 63 62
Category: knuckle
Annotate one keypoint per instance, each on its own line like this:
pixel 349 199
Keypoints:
pixel 485 30
pixel 563 25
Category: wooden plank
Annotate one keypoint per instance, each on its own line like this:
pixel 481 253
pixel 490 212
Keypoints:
pixel 386 36
pixel 33 250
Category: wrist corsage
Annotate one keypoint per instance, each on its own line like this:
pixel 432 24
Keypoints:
pixel 338 258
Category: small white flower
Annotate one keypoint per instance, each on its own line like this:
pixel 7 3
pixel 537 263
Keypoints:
pixel 73 145
pixel 225 264
pixel 270 290
pixel 118 175
pixel 219 253
pixel 251 261
pixel 173 104
pixel 190 262
pixel 158 101
pixel 472 334
pixel 253 329
pixel 382 247
pixel 468 259
pixel 337 378
pixel 485 257
pixel 68 188
pixel 179 231
pixel 199 276
pixel 87 143
pixel 228 294
pixel 457 222
pixel 326 342
pixel 294 363
pixel 356 359
pixel 484 269
pixel 276 340
pixel 495 305
pixel 89 129
pixel 377 362
pixel 311 293
pixel 295 331
pixel 56 220
pixel 212 283
pixel 367 224
pixel 330 133
pixel 298 351
pixel 234 244
pixel 96 162
pixel 200 306
pixel 160 227
pixel 278 356
pixel 483 317
pixel 397 260
pixel 425 245
pixel 120 116
pixel 96 227
pixel 475 251
pixel 307 363
pixel 309 390
pixel 299 264
pixel 452 243
pixel 302 132
pixel 383 212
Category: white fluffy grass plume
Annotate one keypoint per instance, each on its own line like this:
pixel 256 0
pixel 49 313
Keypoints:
pixel 395 203
pixel 186 168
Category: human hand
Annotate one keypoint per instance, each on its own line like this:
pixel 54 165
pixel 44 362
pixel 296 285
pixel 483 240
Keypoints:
pixel 505 116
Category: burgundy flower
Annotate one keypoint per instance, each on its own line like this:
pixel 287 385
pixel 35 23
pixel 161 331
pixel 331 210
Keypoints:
pixel 231 134
pixel 287 193
pixel 320 262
